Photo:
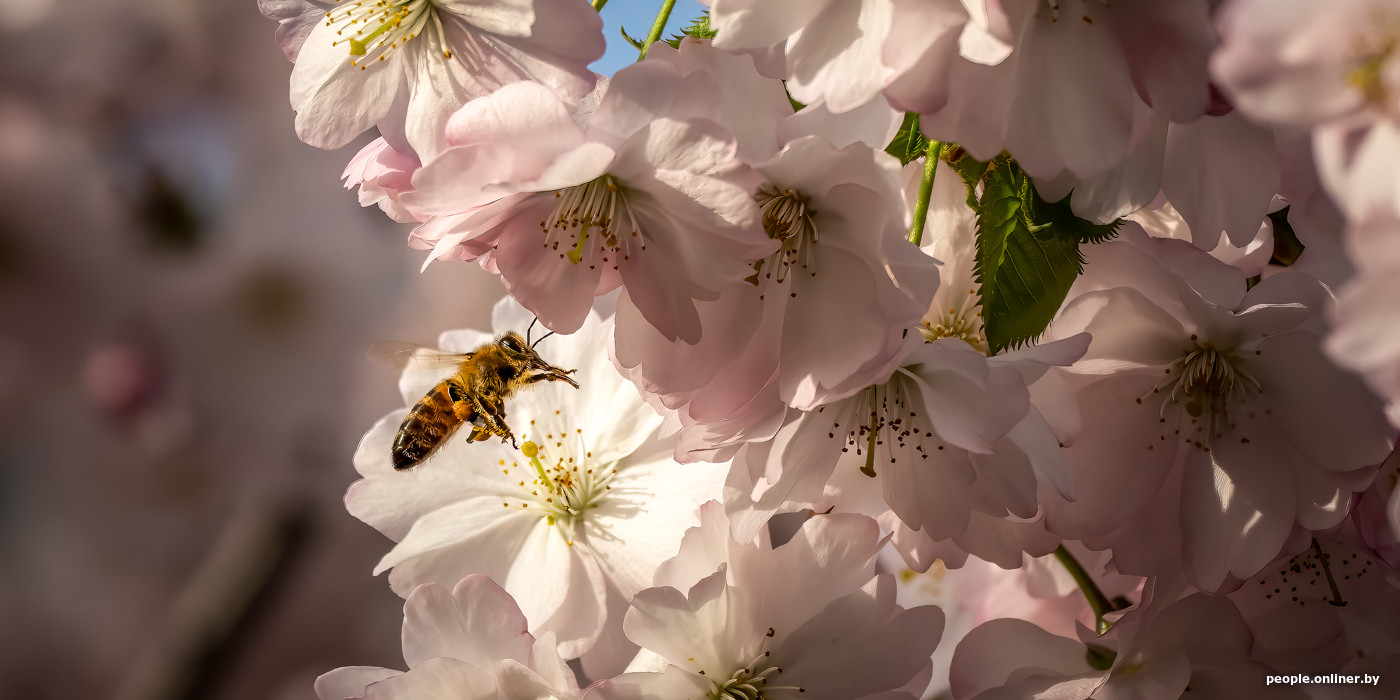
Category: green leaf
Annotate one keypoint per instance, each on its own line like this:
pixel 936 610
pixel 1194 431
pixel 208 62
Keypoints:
pixel 699 28
pixel 909 142
pixel 636 44
pixel 1027 254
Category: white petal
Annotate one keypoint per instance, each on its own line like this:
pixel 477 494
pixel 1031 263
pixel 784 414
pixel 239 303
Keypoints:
pixel 642 520
pixel 476 622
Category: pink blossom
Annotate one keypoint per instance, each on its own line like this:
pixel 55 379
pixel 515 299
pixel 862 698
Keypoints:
pixel 949 434
pixel 564 212
pixel 383 175
pixel 406 65
pixel 469 643
pixel 807 616
pixel 832 48
pixel 1299 63
pixel 1377 515
pixel 1156 651
pixel 1213 425
pixel 1039 591
pixel 1251 258
pixel 1330 68
pixel 1315 610
pixel 1067 96
pixel 770 341
pixel 1221 173
pixel 1365 338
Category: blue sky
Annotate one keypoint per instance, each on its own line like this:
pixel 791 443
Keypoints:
pixel 637 16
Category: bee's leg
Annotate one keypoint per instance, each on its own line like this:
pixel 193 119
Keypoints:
pixel 494 415
pixel 466 411
pixel 559 376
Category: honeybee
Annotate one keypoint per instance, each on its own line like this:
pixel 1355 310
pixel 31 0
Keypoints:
pixel 474 395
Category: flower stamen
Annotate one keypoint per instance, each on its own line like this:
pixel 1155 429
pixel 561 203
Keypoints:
pixel 1368 75
pixel 963 322
pixel 568 488
pixel 751 681
pixel 1206 381
pixel 787 217
pixel 595 224
pixel 381 27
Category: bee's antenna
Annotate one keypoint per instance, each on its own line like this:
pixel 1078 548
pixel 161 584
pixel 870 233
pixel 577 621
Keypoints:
pixel 546 335
pixel 531 328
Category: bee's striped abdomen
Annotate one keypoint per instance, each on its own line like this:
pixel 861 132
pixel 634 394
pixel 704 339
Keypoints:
pixel 428 425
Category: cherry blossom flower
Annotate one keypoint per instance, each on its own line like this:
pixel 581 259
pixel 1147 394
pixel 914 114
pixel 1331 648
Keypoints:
pixel 1040 591
pixel 839 218
pixel 587 507
pixel 1364 338
pixel 1377 515
pixel 927 38
pixel 1221 174
pixel 1067 97
pixel 382 174
pixel 1283 63
pixel 949 432
pixel 731 619
pixel 1154 652
pixel 832 49
pixel 565 212
pixel 1166 222
pixel 1213 423
pixel 467 643
pixel 1313 610
pixel 406 65
pixel 755 106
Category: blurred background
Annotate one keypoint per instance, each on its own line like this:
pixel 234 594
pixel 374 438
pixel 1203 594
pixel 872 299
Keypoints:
pixel 186 294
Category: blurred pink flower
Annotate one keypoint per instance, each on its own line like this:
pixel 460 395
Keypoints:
pixel 1299 63
pixel 1365 336
pixel 1331 68
pixel 406 65
pixel 470 643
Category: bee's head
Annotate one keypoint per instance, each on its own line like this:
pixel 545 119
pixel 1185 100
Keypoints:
pixel 516 348
pixel 523 354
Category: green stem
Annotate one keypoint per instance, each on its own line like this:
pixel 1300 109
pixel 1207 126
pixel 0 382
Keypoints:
pixel 1098 602
pixel 658 26
pixel 916 230
pixel 598 5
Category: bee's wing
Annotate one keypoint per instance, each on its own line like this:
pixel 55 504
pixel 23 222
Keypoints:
pixel 400 355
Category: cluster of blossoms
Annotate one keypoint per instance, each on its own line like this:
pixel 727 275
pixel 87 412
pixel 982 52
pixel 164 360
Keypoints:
pixel 970 348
